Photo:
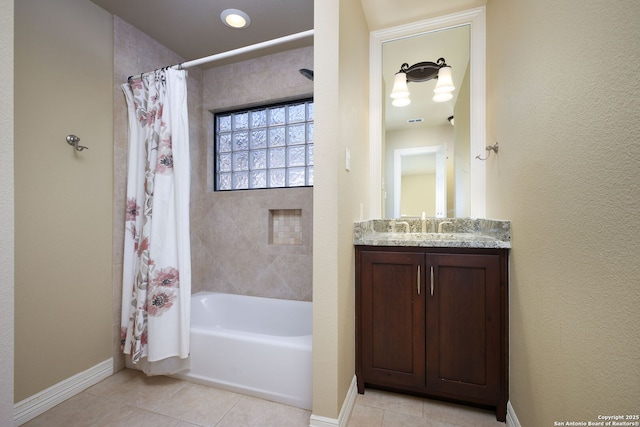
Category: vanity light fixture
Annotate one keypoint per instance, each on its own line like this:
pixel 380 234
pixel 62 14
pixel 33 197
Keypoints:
pixel 235 18
pixel 422 72
pixel 450 118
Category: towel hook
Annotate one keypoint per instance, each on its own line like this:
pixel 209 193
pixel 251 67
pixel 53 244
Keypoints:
pixel 489 148
pixel 74 140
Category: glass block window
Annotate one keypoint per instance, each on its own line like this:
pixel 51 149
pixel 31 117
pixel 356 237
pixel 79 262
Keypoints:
pixel 264 147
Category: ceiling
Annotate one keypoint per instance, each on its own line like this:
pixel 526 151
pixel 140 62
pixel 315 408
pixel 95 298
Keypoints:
pixel 193 29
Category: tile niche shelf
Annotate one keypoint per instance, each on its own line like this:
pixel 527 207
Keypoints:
pixel 285 226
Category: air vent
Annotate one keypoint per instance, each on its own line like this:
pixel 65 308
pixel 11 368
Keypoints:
pixel 418 120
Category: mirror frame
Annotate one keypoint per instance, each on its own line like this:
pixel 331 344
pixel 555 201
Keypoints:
pixel 476 20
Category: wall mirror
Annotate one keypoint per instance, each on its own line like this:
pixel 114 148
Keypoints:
pixel 458 189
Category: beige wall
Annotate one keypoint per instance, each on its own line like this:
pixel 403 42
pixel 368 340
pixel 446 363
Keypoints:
pixel 418 195
pixel 6 213
pixel 231 250
pixel 63 77
pixel 341 88
pixel 563 102
pixel 134 53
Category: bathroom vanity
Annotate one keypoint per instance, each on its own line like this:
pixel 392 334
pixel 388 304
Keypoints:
pixel 432 309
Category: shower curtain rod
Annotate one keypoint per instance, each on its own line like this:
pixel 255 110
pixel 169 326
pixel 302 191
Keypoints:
pixel 233 52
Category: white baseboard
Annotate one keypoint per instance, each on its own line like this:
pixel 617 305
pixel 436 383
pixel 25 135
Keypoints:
pixel 345 411
pixel 512 420
pixel 35 405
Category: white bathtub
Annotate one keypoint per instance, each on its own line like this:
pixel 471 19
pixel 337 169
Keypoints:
pixel 252 345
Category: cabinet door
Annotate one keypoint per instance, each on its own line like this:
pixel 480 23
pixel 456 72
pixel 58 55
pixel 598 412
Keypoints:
pixel 392 318
pixel 463 326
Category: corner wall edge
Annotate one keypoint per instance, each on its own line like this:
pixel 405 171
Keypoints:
pixel 345 411
pixel 512 420
pixel 41 402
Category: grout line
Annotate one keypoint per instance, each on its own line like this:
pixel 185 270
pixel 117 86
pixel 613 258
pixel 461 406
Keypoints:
pixel 178 420
pixel 230 409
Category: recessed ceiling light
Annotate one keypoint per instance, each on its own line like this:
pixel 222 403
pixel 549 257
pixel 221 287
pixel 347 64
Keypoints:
pixel 235 18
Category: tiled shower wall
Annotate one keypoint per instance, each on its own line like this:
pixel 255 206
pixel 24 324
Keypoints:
pixel 230 242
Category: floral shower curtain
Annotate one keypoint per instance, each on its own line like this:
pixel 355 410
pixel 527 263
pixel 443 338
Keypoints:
pixel 157 263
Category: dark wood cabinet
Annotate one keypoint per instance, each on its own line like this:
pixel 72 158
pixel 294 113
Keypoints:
pixel 395 315
pixel 433 322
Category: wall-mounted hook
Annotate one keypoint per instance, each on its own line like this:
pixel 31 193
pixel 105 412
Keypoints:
pixel 73 140
pixel 489 148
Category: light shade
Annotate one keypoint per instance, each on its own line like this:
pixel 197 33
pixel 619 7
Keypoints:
pixel 401 102
pixel 442 97
pixel 444 87
pixel 400 89
pixel 235 18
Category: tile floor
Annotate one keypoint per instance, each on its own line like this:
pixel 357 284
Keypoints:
pixel 131 399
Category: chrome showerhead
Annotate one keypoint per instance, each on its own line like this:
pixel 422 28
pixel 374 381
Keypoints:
pixel 307 73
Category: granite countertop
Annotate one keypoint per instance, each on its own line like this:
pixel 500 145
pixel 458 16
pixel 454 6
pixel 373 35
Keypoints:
pixel 434 233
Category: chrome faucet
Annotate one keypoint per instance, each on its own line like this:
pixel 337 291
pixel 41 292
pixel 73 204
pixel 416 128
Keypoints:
pixel 424 221
pixel 440 225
